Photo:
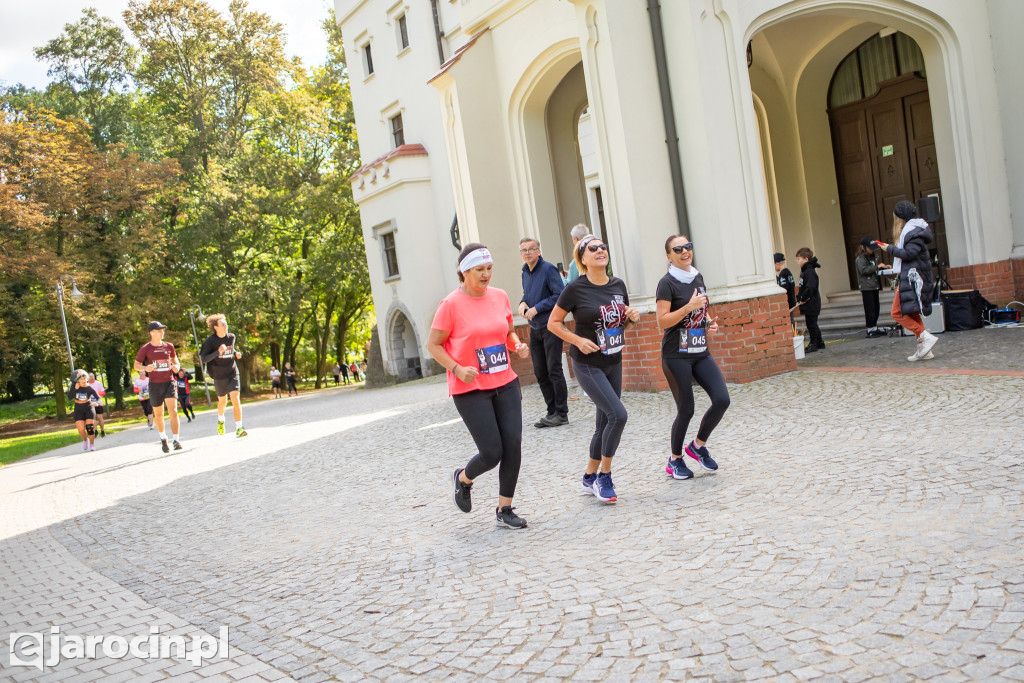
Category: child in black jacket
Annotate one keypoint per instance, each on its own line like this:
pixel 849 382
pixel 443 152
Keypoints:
pixel 809 297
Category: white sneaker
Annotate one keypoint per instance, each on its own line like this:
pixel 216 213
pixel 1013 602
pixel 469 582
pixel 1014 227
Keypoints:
pixel 917 356
pixel 925 342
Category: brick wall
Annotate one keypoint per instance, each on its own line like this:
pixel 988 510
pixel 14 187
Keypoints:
pixel 754 341
pixel 999 282
pixel 1018 279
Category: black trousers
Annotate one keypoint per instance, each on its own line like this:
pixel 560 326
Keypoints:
pixel 813 330
pixel 871 307
pixel 185 401
pixel 494 418
pixel 604 386
pixel 680 373
pixel 546 352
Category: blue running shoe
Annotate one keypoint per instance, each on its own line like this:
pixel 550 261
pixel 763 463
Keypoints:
pixel 702 457
pixel 677 468
pixel 603 488
pixel 588 483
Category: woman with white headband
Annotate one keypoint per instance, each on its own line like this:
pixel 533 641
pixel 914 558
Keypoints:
pixel 600 306
pixel 471 337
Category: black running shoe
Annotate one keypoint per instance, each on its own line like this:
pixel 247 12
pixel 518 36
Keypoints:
pixel 177 445
pixel 164 446
pixel 102 433
pixel 507 518
pixel 461 493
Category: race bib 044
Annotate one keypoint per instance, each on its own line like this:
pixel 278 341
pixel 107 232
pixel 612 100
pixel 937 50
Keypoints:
pixel 492 359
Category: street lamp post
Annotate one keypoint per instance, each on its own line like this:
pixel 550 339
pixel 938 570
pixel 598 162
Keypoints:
pixel 192 312
pixel 77 296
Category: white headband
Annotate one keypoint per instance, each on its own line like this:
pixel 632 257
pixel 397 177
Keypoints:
pixel 477 257
pixel 583 244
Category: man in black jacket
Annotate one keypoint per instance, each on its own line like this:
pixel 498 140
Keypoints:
pixel 541 286
pixel 219 354
pixel 809 297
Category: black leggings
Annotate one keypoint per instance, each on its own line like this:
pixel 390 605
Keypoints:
pixel 494 418
pixel 680 373
pixel 604 386
pixel 871 307
pixel 185 400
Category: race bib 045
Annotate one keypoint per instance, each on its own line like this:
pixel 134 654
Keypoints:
pixel 693 340
pixel 492 359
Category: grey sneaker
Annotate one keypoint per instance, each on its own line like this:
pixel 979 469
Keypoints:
pixel 461 493
pixel 555 420
pixel 509 519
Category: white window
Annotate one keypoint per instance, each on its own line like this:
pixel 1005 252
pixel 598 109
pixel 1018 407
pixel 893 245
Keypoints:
pixel 367 51
pixel 402 30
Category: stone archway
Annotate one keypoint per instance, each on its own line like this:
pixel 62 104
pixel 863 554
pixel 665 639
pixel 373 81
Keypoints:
pixel 796 50
pixel 403 348
pixel 546 109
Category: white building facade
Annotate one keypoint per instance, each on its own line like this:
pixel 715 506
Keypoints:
pixel 752 126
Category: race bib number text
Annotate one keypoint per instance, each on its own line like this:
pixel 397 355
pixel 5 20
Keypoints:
pixel 492 359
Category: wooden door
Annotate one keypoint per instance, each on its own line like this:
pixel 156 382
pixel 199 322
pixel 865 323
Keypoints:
pixel 884 153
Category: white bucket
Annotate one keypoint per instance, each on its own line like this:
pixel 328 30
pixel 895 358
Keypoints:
pixel 798 347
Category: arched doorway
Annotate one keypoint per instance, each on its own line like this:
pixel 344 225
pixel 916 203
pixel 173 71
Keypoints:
pixel 882 139
pixel 547 107
pixel 795 52
pixel 403 347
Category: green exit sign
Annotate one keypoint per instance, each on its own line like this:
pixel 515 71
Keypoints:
pixel 887 151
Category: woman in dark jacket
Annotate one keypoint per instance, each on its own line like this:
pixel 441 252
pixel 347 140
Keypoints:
pixel 912 262
pixel 869 283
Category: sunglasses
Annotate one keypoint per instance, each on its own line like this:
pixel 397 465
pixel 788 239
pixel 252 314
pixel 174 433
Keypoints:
pixel 680 248
pixel 597 247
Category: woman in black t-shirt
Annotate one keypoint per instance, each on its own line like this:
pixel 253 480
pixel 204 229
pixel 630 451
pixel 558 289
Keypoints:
pixel 600 306
pixel 682 311
pixel 84 414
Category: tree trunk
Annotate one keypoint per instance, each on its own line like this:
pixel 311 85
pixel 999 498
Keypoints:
pixel 58 389
pixel 114 362
pixel 275 354
pixel 324 340
pixel 339 339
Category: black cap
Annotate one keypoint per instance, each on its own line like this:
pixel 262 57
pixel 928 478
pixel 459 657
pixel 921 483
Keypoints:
pixel 866 241
pixel 156 325
pixel 779 257
pixel 905 210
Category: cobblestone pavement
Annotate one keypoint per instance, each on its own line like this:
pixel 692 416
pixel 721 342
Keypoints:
pixel 829 546
pixel 997 347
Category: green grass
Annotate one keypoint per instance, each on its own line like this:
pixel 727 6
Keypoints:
pixel 32 409
pixel 21 447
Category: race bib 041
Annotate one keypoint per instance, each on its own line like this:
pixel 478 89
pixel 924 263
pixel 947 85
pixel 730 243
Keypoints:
pixel 492 359
pixel 611 341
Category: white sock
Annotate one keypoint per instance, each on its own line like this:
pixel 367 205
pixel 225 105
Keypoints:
pixel 163 437
pixel 220 418
pixel 174 436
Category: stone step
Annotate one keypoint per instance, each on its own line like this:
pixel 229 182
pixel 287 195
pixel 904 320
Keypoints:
pixel 844 312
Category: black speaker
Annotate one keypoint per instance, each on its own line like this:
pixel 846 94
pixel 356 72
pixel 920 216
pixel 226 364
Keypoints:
pixel 928 208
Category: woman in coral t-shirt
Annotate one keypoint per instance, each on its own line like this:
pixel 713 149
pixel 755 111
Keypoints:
pixel 472 337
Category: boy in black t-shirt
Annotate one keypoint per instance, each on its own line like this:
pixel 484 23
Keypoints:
pixel 219 354
pixel 784 278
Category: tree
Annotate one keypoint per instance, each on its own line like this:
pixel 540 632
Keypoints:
pixel 91 64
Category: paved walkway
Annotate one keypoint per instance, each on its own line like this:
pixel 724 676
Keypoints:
pixel 991 349
pixel 829 546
